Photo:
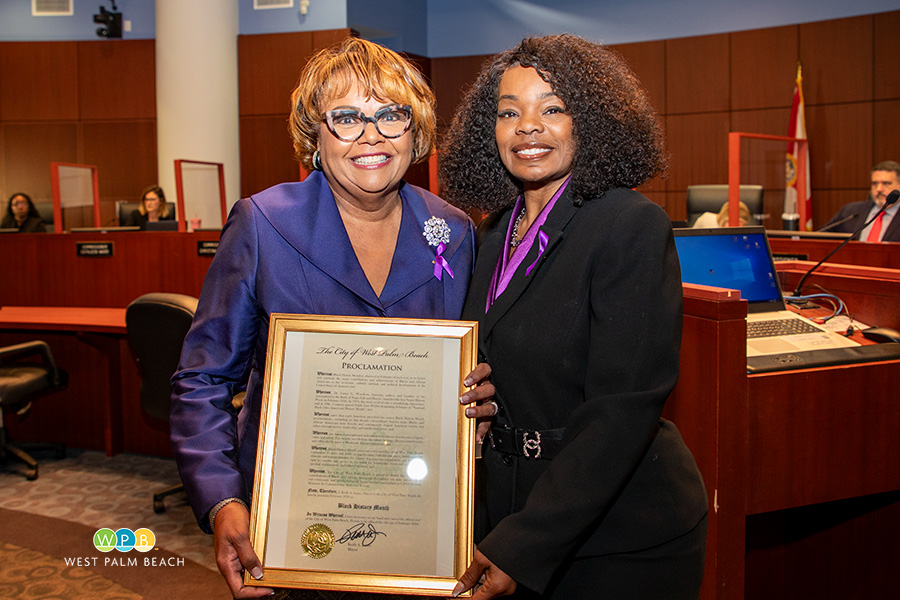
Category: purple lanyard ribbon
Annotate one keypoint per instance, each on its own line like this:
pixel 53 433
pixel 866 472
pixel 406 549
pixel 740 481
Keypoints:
pixel 543 238
pixel 440 263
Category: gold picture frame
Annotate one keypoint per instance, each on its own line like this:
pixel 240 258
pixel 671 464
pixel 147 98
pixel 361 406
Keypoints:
pixel 364 468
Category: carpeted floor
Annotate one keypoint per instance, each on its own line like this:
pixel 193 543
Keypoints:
pixel 47 525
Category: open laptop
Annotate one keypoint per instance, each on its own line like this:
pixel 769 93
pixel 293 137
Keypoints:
pixel 739 258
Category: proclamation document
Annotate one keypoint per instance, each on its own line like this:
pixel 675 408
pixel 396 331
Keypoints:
pixel 362 457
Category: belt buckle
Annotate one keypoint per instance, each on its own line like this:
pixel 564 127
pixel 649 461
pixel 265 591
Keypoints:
pixel 531 444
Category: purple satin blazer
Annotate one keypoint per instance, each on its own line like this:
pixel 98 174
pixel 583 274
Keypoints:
pixel 286 250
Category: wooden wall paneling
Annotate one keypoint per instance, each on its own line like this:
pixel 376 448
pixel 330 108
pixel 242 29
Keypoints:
pixel 142 262
pixel 39 81
pixel 268 68
pixel 450 77
pixel 697 74
pixel 764 67
pixel 826 203
pixel 837 59
pixel 27 256
pixel 886 131
pixel 698 145
pixel 267 153
pixel 423 63
pixel 326 37
pixel 840 144
pixel 648 61
pixel 29 148
pixel 125 155
pixel 762 161
pixel 675 204
pixel 117 79
pixel 196 265
pixel 4 186
pixel 884 63
pixel 834 551
pixel 841 447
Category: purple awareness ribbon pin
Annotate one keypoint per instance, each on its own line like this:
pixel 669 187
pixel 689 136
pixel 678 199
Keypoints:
pixel 543 238
pixel 440 263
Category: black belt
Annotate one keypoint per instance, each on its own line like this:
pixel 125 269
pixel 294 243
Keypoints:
pixel 528 443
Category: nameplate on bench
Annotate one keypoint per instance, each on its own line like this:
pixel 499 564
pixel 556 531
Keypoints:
pixel 94 249
pixel 207 247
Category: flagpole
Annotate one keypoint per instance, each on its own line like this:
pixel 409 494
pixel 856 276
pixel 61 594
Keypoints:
pixel 796 212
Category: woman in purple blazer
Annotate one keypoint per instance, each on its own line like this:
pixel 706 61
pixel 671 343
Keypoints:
pixel 349 240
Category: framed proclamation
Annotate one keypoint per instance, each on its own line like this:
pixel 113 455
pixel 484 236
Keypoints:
pixel 365 458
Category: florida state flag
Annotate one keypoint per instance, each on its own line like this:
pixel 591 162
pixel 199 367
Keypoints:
pixel 796 129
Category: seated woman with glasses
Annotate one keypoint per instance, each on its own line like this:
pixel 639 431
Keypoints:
pixel 22 215
pixel 153 208
pixel 352 239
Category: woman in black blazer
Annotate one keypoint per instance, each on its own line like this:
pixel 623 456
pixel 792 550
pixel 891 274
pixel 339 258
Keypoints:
pixel 577 290
pixel 153 208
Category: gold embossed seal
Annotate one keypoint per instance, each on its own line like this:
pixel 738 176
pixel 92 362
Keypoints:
pixel 317 540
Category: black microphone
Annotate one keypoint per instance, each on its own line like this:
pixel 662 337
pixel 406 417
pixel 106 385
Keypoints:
pixel 836 223
pixel 891 198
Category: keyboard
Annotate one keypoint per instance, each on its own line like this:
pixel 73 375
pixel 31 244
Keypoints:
pixel 758 329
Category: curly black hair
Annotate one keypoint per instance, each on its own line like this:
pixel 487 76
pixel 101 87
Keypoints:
pixel 618 136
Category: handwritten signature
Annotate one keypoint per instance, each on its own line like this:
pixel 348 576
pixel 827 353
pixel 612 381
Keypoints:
pixel 361 531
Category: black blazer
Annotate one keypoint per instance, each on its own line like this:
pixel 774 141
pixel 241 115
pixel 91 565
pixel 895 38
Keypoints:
pixel 861 212
pixel 589 342
pixel 29 225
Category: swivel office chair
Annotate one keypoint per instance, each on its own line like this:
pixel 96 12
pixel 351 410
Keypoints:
pixel 157 324
pixel 20 383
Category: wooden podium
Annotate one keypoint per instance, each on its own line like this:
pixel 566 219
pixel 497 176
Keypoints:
pixel 802 467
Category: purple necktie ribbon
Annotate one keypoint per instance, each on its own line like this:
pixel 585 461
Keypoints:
pixel 543 238
pixel 440 263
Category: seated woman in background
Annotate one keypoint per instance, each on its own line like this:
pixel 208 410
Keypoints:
pixel 153 208
pixel 709 220
pixel 21 214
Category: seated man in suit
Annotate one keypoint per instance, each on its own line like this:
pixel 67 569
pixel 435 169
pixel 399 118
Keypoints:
pixel 885 179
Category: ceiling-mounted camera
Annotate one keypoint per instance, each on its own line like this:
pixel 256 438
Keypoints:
pixel 110 21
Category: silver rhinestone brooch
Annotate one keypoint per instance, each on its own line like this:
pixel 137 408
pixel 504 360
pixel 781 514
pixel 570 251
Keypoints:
pixel 436 231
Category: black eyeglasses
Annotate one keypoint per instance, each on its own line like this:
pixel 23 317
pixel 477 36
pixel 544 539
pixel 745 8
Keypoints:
pixel 349 125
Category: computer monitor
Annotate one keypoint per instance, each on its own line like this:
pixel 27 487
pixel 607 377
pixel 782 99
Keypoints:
pixel 161 226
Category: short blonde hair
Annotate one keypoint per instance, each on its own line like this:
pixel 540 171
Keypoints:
pixel 380 73
pixel 722 217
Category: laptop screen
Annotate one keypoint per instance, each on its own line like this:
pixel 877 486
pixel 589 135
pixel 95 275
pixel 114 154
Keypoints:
pixel 736 258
